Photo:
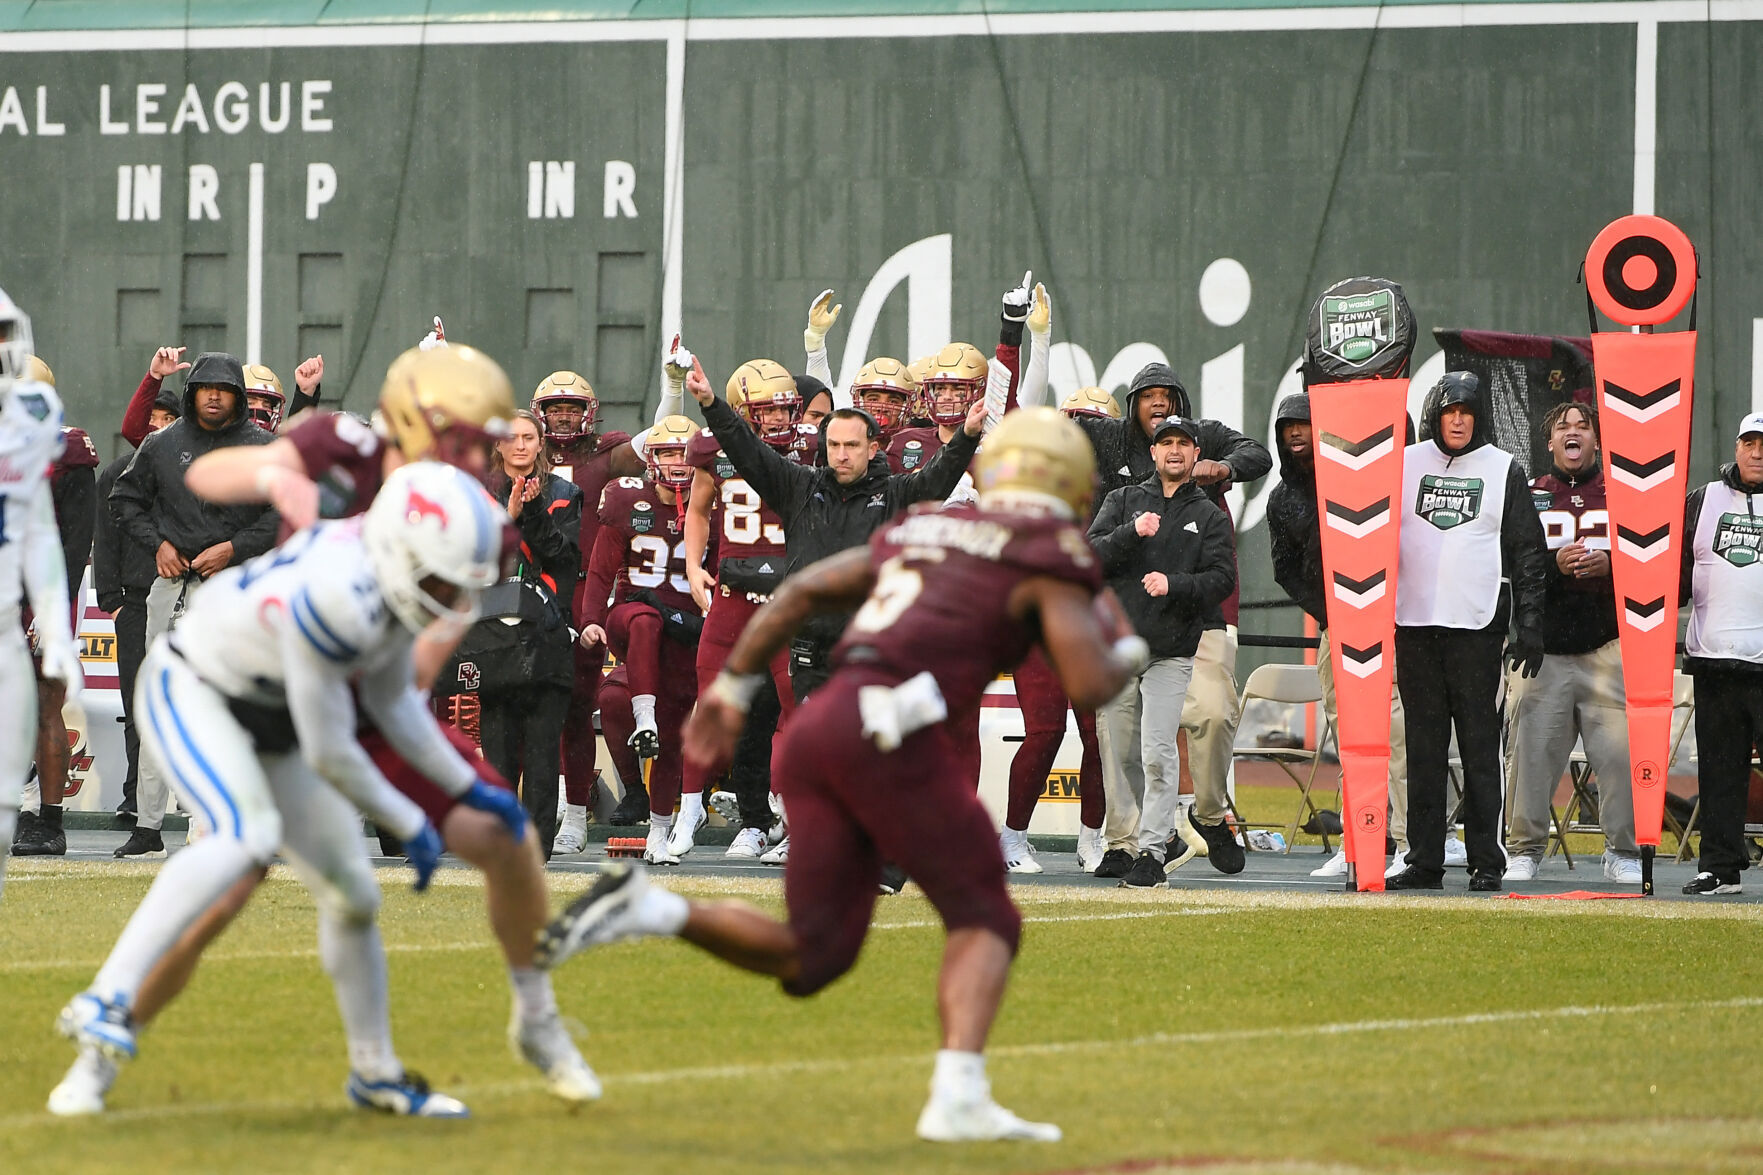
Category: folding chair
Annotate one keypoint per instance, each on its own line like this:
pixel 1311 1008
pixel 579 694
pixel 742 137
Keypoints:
pixel 1292 685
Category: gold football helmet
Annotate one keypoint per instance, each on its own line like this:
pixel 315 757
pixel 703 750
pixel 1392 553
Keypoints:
pixel 885 389
pixel 953 379
pixel 760 384
pixel 1038 451
pixel 1091 402
pixel 40 372
pixel 441 402
pixel 261 382
pixel 669 439
pixel 566 387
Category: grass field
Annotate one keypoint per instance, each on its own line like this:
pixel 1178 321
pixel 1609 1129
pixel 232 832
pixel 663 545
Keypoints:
pixel 1216 1032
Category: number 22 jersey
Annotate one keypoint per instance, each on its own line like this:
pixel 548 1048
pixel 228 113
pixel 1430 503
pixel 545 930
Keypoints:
pixel 1581 613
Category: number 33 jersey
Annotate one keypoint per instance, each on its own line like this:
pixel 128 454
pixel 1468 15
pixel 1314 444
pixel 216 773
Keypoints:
pixel 641 546
pixel 1580 611
pixel 943 580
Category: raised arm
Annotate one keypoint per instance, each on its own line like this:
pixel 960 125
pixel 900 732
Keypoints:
pixel 821 316
pixel 137 418
pixel 774 477
pixel 940 475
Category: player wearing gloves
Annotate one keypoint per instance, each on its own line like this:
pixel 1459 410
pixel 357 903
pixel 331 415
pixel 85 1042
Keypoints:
pixel 31 559
pixel 1467 524
pixel 867 764
pixel 251 715
pixel 444 404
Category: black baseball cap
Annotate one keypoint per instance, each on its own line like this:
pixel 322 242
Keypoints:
pixel 1180 424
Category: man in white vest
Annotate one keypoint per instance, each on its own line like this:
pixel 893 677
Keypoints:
pixel 1723 651
pixel 1468 529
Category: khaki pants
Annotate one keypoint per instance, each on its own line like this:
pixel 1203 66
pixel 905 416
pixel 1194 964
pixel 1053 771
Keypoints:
pixel 1577 696
pixel 165 605
pixel 1209 718
pixel 1141 768
pixel 1398 777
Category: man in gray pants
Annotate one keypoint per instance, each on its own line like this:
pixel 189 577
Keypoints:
pixel 1169 554
pixel 190 538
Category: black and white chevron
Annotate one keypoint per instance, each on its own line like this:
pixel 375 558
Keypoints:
pixel 1643 407
pixel 1642 475
pixel 1360 592
pixel 1644 547
pixel 1644 616
pixel 1357 523
pixel 1358 454
pixel 1362 662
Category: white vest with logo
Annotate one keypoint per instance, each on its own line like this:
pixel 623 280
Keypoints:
pixel 1449 576
pixel 1726 586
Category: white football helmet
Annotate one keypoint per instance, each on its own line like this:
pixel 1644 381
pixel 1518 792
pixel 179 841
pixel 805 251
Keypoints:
pixel 432 526
pixel 15 340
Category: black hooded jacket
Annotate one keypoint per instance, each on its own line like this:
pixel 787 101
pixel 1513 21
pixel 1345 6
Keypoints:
pixel 1692 513
pixel 1123 451
pixel 822 517
pixel 1524 550
pixel 150 502
pixel 1294 527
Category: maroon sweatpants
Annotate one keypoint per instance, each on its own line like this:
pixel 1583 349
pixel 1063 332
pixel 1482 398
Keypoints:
pixel 728 616
pixel 654 664
pixel 1043 704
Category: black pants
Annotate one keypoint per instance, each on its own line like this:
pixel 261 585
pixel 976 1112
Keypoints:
pixel 1451 677
pixel 521 728
pixel 131 647
pixel 750 774
pixel 810 666
pixel 1729 720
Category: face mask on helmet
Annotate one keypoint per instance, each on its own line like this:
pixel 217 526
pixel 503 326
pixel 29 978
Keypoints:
pixel 887 409
pixel 666 465
pixel 774 419
pixel 946 401
pixel 434 538
pixel 264 409
pixel 566 403
pixel 15 340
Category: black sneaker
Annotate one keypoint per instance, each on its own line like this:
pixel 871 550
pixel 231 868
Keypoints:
pixel 893 879
pixel 25 828
pixel 1708 883
pixel 143 844
pixel 1115 863
pixel 1483 881
pixel 42 838
pixel 632 810
pixel 1413 877
pixel 1145 873
pixel 1222 848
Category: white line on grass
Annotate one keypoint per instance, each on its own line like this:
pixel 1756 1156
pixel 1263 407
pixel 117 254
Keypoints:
pixel 842 1064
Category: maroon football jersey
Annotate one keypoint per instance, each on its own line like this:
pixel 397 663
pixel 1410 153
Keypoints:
pixel 640 546
pixel 1580 612
pixel 344 457
pixel 745 527
pixel 587 461
pixel 943 577
pixel 912 448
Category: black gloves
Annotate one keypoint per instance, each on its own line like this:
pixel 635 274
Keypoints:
pixel 1525 653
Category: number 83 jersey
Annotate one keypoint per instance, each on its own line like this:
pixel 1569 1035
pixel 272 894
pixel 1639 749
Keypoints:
pixel 745 527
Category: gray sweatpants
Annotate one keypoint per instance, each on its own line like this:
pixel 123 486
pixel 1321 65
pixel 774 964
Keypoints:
pixel 1141 760
pixel 1578 696
pixel 165 605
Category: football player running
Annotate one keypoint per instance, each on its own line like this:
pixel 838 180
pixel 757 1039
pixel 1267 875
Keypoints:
pixel 30 558
pixel 639 564
pixel 251 715
pixel 440 404
pixel 868 763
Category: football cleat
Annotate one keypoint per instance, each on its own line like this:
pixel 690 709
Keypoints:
pixel 691 818
pixel 574 834
pixel 1019 857
pixel 655 850
pixel 546 1045
pixel 1089 848
pixel 39 838
pixel 82 1091
pixel 93 1022
pixel 724 804
pixel 602 915
pixel 748 843
pixel 778 854
pixel 409 1096
pixel 945 1119
pixel 645 742
pixel 632 810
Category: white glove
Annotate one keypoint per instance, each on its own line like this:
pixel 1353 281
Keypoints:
pixel 1016 302
pixel 821 316
pixel 62 663
pixel 435 338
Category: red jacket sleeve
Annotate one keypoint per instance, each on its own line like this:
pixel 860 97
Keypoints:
pixel 1011 357
pixel 136 418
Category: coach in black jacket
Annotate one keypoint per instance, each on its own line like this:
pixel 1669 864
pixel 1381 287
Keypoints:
pixel 1170 555
pixel 831 508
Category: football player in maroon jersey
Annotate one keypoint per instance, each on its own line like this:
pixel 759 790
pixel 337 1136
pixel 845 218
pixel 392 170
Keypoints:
pixel 868 763
pixel 640 556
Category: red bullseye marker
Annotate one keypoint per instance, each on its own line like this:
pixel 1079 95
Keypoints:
pixel 1639 272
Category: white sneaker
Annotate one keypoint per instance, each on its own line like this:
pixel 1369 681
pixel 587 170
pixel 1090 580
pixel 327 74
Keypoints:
pixel 726 805
pixel 1190 836
pixel 82 1090
pixel 945 1119
pixel 691 818
pixel 1525 869
pixel 546 1045
pixel 1089 848
pixel 1455 853
pixel 574 834
pixel 1018 856
pixel 1335 866
pixel 1398 862
pixel 749 843
pixel 779 853
pixel 655 847
pixel 1622 870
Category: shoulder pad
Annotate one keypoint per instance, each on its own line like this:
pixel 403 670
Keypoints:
pixel 77 450
pixel 611 440
pixel 339 615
